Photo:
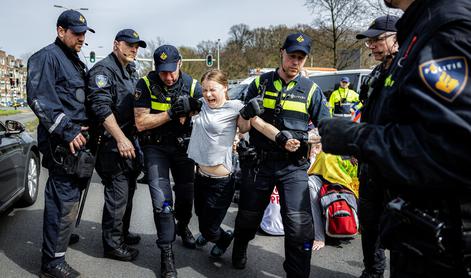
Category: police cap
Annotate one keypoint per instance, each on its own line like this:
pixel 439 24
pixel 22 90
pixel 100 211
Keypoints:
pixel 379 26
pixel 166 58
pixel 130 36
pixel 297 42
pixel 73 20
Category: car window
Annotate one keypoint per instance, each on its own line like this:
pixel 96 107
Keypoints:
pixel 2 128
pixel 330 83
pixel 238 92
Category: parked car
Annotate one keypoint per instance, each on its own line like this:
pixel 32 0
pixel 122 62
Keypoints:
pixel 240 90
pixel 19 166
pixel 329 81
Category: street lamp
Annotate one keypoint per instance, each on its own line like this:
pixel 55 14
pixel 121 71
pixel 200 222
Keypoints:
pixel 63 7
pixel 218 43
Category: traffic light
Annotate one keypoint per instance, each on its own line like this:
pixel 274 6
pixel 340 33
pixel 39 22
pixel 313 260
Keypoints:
pixel 92 56
pixel 209 60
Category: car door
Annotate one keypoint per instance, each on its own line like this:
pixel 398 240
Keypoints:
pixel 12 166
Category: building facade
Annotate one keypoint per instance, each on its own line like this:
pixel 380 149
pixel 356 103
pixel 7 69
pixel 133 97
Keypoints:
pixel 12 80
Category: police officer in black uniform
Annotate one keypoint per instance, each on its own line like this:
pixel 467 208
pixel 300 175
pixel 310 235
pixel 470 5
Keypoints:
pixel 416 141
pixel 381 40
pixel 56 93
pixel 164 100
pixel 290 101
pixel 111 85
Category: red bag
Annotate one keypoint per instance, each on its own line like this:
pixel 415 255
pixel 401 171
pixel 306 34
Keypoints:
pixel 339 207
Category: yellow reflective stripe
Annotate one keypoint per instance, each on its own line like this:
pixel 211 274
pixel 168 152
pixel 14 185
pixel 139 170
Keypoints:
pixel 146 80
pixel 193 85
pixel 294 106
pixel 278 85
pixel 257 81
pixel 269 103
pixel 273 94
pixel 291 85
pixel 160 106
pixel 310 94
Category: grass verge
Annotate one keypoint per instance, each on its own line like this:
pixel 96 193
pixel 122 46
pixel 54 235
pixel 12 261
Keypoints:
pixel 31 126
pixel 8 112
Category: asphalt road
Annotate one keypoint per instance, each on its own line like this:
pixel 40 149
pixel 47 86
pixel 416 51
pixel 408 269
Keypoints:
pixel 21 236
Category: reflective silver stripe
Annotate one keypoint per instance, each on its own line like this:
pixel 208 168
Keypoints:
pixel 56 123
pixel 58 255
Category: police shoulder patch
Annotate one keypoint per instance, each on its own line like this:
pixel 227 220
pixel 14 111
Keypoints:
pixel 101 80
pixel 446 77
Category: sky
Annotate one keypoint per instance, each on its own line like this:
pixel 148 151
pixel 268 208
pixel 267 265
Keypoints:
pixel 29 25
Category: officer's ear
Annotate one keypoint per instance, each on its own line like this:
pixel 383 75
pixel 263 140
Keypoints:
pixel 115 45
pixel 61 32
pixel 281 52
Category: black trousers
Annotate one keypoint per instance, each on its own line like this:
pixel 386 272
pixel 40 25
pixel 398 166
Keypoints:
pixel 119 180
pixel 292 183
pixel 61 197
pixel 213 196
pixel 370 209
pixel 159 161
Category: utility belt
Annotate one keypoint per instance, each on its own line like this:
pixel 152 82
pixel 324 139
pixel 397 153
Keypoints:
pixel 80 164
pixel 181 141
pixel 440 232
pixel 298 158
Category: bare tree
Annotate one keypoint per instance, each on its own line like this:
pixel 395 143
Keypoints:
pixel 377 8
pixel 337 18
pixel 240 35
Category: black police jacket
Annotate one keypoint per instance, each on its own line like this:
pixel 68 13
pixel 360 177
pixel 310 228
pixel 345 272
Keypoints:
pixel 162 94
pixel 56 93
pixel 111 91
pixel 419 126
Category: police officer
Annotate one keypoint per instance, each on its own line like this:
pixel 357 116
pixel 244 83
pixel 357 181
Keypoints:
pixel 416 141
pixel 111 85
pixel 164 100
pixel 343 101
pixel 290 101
pixel 381 40
pixel 56 93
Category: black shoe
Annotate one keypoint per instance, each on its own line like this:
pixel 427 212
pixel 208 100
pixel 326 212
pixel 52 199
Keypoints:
pixel 201 241
pixel 167 262
pixel 123 253
pixel 367 274
pixel 132 239
pixel 74 238
pixel 144 179
pixel 63 270
pixel 221 245
pixel 187 237
pixel 239 254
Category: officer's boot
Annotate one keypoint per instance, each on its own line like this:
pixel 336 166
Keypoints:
pixel 223 242
pixel 239 253
pixel 186 235
pixel 167 262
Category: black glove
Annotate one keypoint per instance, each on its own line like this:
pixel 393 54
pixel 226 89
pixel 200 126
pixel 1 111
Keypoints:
pixel 339 136
pixel 178 108
pixel 195 104
pixel 282 137
pixel 253 108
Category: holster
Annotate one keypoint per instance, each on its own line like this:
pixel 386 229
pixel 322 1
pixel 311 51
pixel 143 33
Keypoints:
pixel 80 164
pixel 434 232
